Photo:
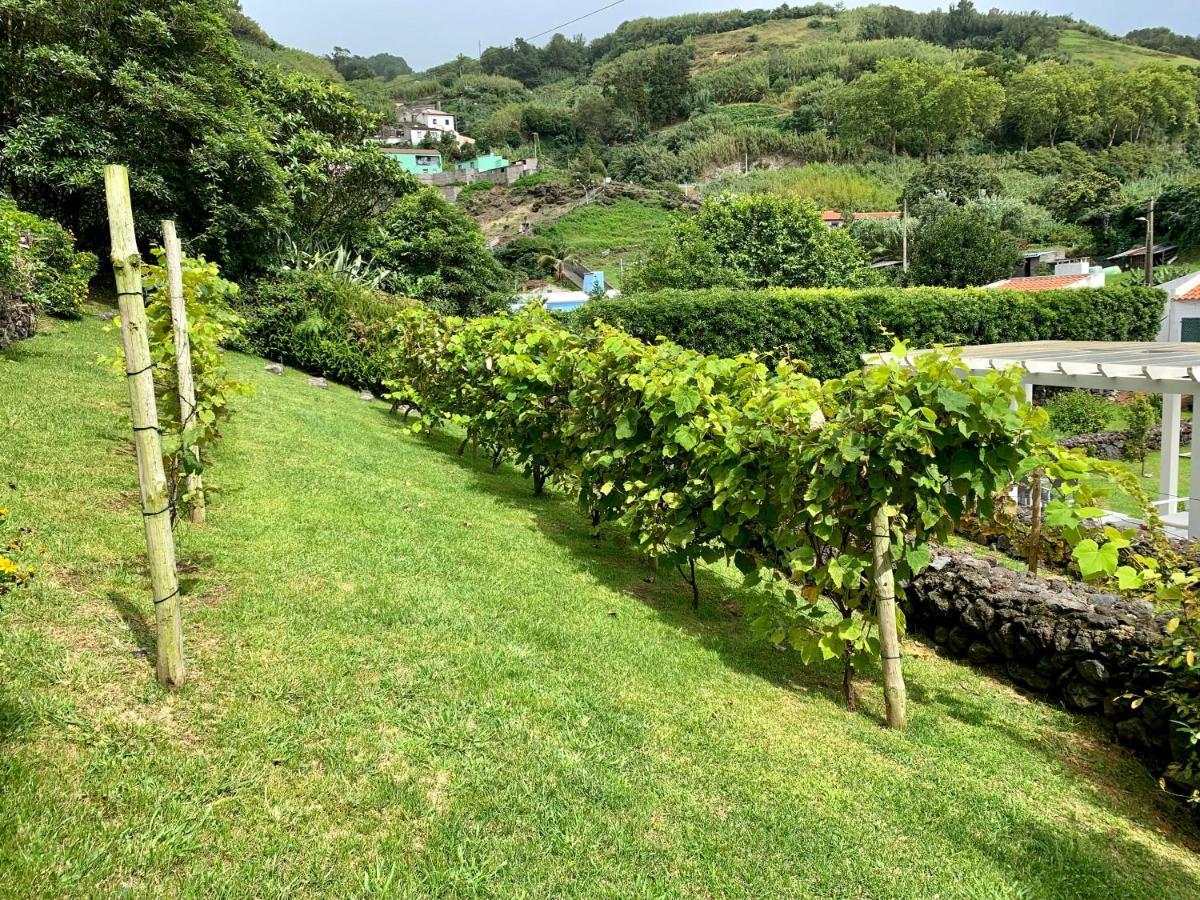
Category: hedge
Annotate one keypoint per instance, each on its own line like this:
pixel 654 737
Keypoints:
pixel 829 328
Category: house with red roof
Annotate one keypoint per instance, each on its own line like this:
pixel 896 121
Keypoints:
pixel 1181 318
pixel 1068 275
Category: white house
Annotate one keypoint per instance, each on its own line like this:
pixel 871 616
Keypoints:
pixel 1181 318
pixel 435 118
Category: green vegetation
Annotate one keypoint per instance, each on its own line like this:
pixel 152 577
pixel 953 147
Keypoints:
pixel 1090 48
pixel 829 329
pixel 721 48
pixel 1079 412
pixel 752 240
pixel 407 668
pixel 39 266
pixel 607 236
pixel 843 188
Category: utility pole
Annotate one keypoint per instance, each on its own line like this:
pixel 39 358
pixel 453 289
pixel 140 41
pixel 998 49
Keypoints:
pixel 904 238
pixel 537 146
pixel 1150 245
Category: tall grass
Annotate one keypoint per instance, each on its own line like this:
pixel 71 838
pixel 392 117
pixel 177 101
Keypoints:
pixel 844 187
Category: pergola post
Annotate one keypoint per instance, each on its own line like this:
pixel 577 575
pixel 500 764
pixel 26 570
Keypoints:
pixel 1193 517
pixel 1168 467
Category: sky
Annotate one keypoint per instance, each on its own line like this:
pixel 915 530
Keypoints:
pixel 428 33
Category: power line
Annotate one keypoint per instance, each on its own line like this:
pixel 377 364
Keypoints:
pixel 573 21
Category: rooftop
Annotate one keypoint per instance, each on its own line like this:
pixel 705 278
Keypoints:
pixel 1038 283
pixel 1191 294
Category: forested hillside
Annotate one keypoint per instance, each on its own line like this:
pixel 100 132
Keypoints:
pixel 1070 130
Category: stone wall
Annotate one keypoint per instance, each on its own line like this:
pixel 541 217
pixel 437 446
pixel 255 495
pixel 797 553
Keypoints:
pixel 1058 638
pixel 1111 444
pixel 18 320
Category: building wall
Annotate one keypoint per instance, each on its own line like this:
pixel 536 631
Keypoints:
pixel 1175 311
pixel 408 162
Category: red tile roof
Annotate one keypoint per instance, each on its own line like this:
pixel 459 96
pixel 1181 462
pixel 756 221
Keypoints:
pixel 877 215
pixel 1191 294
pixel 832 215
pixel 1040 283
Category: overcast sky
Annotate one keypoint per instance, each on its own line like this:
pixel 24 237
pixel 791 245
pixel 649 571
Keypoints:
pixel 427 33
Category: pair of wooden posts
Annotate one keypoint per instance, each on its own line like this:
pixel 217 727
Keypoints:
pixel 139 374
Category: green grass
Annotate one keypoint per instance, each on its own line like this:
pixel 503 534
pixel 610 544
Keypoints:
pixel 830 186
pixel 410 678
pixel 623 227
pixel 1088 48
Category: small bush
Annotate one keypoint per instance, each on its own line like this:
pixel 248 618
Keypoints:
pixel 319 322
pixel 1079 412
pixel 39 264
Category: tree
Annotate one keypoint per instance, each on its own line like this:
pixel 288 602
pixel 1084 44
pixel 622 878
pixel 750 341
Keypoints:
pixel 163 87
pixel 652 85
pixel 1048 99
pixel 1140 419
pixel 436 251
pixel 919 106
pixel 960 179
pixel 756 240
pixel 954 246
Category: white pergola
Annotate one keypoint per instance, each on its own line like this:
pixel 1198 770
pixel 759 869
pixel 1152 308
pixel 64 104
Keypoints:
pixel 1171 369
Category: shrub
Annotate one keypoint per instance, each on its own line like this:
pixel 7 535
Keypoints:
pixel 1079 412
pixel 830 328
pixel 39 264
pixel 957 247
pixel 758 240
pixel 437 252
pixel 319 322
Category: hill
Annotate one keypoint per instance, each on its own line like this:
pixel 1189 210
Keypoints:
pixel 1085 47
pixel 722 48
pixel 412 678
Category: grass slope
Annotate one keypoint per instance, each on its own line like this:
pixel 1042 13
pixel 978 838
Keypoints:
pixel 1086 47
pixel 410 678
pixel 622 227
pixel 722 48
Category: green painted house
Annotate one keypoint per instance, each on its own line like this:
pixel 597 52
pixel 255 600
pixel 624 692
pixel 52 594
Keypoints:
pixel 486 163
pixel 417 162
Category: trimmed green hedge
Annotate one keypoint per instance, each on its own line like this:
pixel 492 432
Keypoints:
pixel 829 328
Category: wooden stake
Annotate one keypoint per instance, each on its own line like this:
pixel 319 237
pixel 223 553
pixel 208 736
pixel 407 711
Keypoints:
pixel 183 358
pixel 152 479
pixel 883 580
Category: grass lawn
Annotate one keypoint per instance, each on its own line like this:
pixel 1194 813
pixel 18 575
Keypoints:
pixel 411 678
pixel 622 227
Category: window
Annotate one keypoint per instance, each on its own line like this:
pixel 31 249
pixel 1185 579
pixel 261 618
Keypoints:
pixel 1189 330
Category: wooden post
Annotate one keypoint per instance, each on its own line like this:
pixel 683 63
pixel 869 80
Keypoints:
pixel 152 479
pixel 904 238
pixel 1149 269
pixel 884 583
pixel 183 358
pixel 1034 550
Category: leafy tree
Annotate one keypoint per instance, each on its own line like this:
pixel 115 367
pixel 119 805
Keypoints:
pixel 1048 99
pixel 960 179
pixel 652 85
pixel 956 247
pixel 437 252
pixel 1140 419
pixel 161 86
pixel 919 106
pixel 1072 195
pixel 756 240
